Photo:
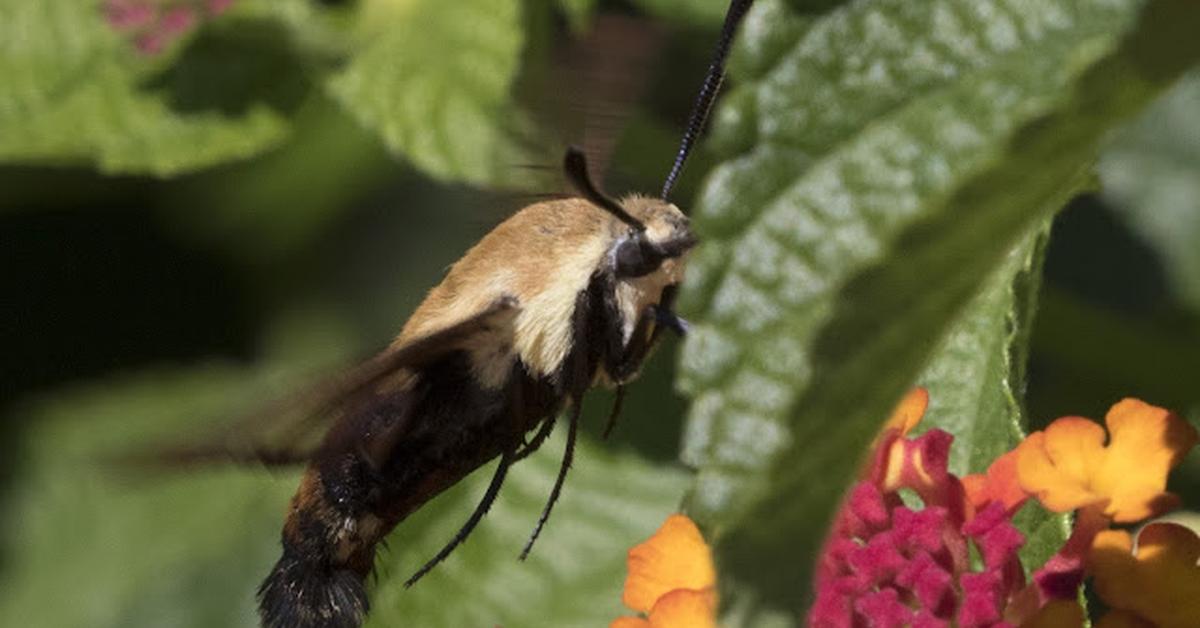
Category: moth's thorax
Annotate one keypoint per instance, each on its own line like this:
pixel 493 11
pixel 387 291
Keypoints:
pixel 544 255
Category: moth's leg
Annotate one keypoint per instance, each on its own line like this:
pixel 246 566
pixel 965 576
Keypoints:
pixel 618 403
pixel 508 455
pixel 568 457
pixel 623 364
pixel 667 319
pixel 542 434
pixel 493 489
pixel 623 360
pixel 665 313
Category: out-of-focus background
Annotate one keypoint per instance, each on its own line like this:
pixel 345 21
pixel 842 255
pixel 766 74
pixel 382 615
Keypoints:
pixel 200 223
pixel 158 280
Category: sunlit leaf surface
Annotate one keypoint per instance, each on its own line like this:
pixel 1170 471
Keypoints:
pixel 436 85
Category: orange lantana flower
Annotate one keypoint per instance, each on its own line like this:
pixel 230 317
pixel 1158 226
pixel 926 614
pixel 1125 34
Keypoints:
pixel 1159 584
pixel 1069 465
pixel 999 484
pixel 908 412
pixel 671 580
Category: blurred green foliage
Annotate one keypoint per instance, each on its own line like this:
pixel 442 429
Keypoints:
pixel 189 233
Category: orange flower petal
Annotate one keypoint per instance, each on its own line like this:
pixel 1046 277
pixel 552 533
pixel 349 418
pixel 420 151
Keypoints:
pixel 1056 614
pixel 1146 441
pixel 886 451
pixel 1160 583
pixel 1056 465
pixel 685 608
pixel 676 557
pixel 1001 484
pixel 909 411
pixel 1068 466
pixel 630 622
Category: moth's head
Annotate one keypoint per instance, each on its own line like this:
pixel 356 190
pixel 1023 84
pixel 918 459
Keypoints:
pixel 651 235
pixel 665 237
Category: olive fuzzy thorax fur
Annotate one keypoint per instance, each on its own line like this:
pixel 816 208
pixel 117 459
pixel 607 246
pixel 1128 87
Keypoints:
pixel 544 256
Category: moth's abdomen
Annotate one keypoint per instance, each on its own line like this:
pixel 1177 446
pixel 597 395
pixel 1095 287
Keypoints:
pixel 381 461
pixel 318 582
pixel 303 593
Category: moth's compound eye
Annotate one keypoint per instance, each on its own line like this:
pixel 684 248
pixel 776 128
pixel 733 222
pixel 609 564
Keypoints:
pixel 636 257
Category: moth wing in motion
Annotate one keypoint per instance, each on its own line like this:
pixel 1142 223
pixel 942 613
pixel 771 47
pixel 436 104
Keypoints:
pixel 290 431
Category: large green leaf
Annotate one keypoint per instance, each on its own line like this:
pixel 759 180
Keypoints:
pixel 978 370
pixel 75 91
pixel 85 547
pixel 436 84
pixel 890 157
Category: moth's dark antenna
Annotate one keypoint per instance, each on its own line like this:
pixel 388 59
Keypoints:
pixel 708 92
pixel 575 167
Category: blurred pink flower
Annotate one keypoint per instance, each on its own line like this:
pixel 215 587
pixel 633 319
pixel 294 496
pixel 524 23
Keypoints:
pixel 177 20
pixel 153 25
pixel 127 15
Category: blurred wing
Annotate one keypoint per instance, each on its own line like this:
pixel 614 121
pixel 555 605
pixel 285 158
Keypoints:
pixel 614 62
pixel 588 96
pixel 290 431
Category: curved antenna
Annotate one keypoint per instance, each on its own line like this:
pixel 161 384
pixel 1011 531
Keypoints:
pixel 575 167
pixel 708 92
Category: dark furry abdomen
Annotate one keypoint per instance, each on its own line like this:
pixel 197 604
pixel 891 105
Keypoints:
pixel 304 594
pixel 345 504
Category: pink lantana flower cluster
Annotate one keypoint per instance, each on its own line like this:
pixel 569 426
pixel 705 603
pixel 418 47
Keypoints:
pixel 893 565
pixel 153 25
pixel 953 561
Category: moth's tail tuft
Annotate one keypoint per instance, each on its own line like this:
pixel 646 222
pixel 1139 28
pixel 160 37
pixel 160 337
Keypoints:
pixel 300 594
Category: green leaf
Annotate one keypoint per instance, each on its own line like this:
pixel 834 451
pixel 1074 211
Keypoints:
pixel 898 154
pixel 978 369
pixel 262 210
pixel 189 549
pixel 1152 172
pixel 436 85
pixel 75 91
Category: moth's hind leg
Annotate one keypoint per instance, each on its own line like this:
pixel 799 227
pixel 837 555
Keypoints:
pixel 567 459
pixel 509 454
pixel 535 443
pixel 485 504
